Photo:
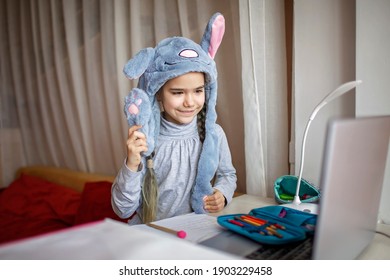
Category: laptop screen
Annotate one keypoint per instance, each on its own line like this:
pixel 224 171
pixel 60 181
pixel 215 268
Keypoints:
pixel 351 185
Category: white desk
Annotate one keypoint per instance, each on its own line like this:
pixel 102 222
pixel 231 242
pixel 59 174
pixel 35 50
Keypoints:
pixel 114 240
pixel 379 249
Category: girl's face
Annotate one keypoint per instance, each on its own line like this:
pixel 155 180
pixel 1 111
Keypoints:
pixel 183 97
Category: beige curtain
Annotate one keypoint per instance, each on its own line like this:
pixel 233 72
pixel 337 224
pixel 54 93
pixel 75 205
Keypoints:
pixel 62 86
pixel 264 88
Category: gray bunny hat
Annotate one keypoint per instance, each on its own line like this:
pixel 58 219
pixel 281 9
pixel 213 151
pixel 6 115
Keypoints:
pixel 171 58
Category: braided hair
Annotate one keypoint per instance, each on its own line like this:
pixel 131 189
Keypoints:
pixel 202 123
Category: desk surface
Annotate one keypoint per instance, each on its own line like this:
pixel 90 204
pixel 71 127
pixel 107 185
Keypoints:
pixel 119 241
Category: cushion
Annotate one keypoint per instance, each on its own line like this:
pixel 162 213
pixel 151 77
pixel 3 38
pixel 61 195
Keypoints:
pixel 31 206
pixel 95 203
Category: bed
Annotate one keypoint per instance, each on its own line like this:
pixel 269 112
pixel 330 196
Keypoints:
pixel 45 199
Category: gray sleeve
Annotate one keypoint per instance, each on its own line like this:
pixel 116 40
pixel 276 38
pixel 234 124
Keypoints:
pixel 226 178
pixel 126 192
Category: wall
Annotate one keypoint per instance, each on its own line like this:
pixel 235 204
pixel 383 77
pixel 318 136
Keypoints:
pixel 335 42
pixel 373 68
pixel 324 58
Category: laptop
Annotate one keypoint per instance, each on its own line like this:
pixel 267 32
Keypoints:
pixel 353 168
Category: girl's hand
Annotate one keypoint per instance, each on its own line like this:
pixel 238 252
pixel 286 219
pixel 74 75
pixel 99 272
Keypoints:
pixel 214 202
pixel 136 143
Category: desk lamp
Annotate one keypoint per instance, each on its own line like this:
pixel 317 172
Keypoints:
pixel 296 203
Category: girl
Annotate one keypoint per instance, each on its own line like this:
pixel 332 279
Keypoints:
pixel 175 149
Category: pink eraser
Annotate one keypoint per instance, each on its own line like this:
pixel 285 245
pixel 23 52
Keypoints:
pixel 181 234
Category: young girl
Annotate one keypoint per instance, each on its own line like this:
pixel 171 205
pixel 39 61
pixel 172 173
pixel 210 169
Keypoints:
pixel 178 158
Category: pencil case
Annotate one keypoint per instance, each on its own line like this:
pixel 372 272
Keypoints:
pixel 275 225
pixel 285 188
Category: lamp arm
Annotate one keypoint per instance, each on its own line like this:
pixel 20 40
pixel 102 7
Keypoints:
pixel 297 200
pixel 296 203
pixel 337 92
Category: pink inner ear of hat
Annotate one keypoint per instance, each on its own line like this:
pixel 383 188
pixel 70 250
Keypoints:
pixel 218 30
pixel 188 53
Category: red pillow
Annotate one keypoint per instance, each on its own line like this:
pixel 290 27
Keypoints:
pixel 96 203
pixel 31 206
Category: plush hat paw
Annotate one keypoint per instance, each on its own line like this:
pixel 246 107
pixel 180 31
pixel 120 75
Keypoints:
pixel 138 111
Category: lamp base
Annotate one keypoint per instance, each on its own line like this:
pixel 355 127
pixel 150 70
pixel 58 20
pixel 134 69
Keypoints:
pixel 311 208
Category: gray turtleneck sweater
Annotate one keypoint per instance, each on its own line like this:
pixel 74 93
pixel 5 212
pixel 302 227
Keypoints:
pixel 175 163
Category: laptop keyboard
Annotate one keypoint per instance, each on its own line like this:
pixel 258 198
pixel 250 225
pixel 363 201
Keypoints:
pixel 296 251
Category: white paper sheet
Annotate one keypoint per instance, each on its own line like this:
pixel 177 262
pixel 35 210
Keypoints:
pixel 198 227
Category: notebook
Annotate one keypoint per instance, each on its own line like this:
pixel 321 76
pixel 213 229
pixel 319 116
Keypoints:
pixel 352 174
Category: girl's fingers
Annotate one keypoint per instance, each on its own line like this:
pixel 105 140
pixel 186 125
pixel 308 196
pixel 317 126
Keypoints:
pixel 136 144
pixel 214 202
pixel 132 129
pixel 134 134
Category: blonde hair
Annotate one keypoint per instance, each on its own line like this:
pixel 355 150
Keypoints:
pixel 149 192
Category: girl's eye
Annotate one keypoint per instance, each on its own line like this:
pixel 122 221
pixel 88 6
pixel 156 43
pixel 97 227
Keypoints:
pixel 177 92
pixel 200 90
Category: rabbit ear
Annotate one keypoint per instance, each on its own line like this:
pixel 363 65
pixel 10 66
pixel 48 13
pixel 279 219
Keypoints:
pixel 136 66
pixel 213 34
